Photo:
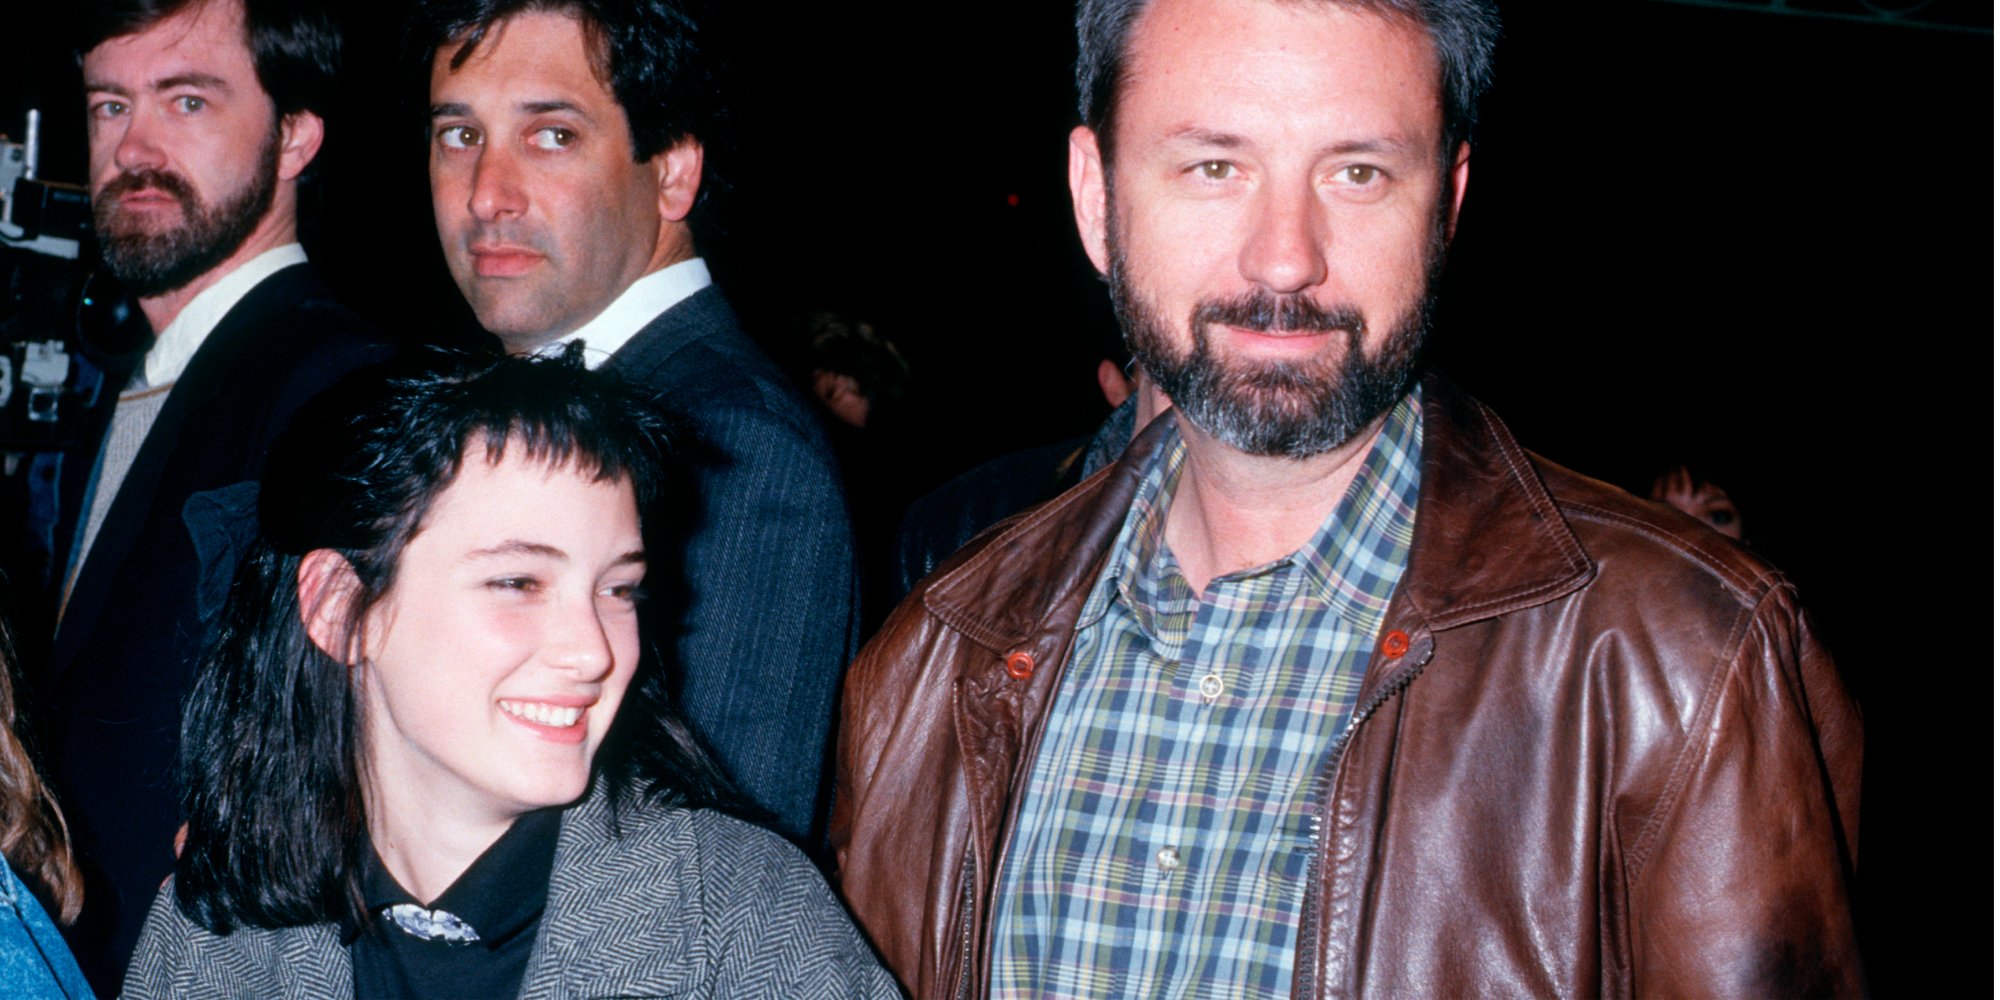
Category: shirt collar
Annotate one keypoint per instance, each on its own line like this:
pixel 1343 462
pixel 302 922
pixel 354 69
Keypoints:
pixel 1165 458
pixel 635 307
pixel 1367 536
pixel 175 346
pixel 1368 531
pixel 501 894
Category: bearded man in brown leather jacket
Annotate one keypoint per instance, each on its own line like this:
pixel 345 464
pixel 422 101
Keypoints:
pixel 1328 687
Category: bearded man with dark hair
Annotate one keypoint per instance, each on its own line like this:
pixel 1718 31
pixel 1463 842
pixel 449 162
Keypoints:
pixel 1328 687
pixel 205 118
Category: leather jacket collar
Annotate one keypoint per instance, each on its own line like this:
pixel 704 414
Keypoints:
pixel 1478 487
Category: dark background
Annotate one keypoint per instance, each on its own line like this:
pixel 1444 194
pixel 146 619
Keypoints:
pixel 1755 239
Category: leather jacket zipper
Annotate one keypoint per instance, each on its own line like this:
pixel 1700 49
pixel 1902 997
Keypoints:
pixel 968 902
pixel 1322 809
pixel 965 906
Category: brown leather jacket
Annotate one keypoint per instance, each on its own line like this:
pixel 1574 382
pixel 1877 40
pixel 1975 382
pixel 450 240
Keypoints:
pixel 1598 751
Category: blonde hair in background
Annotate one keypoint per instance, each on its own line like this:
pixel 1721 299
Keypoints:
pixel 33 835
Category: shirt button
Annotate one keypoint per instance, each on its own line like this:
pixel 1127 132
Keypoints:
pixel 1169 859
pixel 1211 688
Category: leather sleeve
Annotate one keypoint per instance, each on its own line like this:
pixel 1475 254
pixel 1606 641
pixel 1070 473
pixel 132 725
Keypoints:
pixel 892 795
pixel 1743 886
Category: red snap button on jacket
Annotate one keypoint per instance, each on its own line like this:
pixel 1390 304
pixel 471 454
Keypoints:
pixel 1020 665
pixel 1395 643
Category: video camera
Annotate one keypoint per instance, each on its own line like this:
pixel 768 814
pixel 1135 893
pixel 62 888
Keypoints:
pixel 44 227
pixel 62 327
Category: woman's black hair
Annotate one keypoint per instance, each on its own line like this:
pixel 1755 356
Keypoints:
pixel 271 736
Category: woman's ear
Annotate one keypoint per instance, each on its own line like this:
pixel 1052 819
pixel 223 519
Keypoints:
pixel 327 585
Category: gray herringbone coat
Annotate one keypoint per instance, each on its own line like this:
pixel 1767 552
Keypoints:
pixel 673 904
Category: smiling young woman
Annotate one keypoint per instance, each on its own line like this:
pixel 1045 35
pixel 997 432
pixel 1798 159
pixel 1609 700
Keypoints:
pixel 427 754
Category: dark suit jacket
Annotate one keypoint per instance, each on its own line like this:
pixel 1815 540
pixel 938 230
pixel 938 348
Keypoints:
pixel 125 652
pixel 766 574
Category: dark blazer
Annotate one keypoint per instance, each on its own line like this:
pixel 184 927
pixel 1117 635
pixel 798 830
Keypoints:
pixel 125 652
pixel 766 576
pixel 650 903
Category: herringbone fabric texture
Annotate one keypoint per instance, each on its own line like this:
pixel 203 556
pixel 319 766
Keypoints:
pixel 650 903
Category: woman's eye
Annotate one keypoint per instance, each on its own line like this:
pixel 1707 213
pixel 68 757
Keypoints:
pixel 520 584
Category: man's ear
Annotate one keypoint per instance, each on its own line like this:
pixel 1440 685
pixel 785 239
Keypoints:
pixel 1086 195
pixel 299 136
pixel 1461 170
pixel 326 591
pixel 1111 381
pixel 679 168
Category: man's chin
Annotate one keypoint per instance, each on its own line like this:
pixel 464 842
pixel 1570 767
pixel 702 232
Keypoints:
pixel 511 316
pixel 1275 408
pixel 131 229
pixel 1248 349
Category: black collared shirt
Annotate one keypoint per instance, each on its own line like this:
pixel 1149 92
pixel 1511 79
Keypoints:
pixel 501 897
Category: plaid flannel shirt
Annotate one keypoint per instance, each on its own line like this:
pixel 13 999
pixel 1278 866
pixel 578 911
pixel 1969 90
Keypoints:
pixel 1165 833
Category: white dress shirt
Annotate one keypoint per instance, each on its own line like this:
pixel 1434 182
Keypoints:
pixel 635 307
pixel 175 345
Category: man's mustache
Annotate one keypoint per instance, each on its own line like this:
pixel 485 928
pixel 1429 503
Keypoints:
pixel 1263 312
pixel 164 181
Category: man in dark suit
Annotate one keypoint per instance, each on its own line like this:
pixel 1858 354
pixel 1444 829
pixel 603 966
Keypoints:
pixel 567 176
pixel 204 117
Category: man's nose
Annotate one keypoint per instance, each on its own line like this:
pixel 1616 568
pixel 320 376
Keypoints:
pixel 497 192
pixel 138 144
pixel 1287 244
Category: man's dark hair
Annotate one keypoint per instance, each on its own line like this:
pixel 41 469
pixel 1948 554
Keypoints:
pixel 654 56
pixel 295 44
pixel 1462 34
pixel 271 742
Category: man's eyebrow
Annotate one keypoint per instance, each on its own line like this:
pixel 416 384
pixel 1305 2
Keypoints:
pixel 207 81
pixel 456 109
pixel 1380 145
pixel 1383 145
pixel 105 88
pixel 1205 137
pixel 550 107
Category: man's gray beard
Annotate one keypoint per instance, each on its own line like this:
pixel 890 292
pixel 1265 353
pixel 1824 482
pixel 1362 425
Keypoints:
pixel 151 263
pixel 1295 409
